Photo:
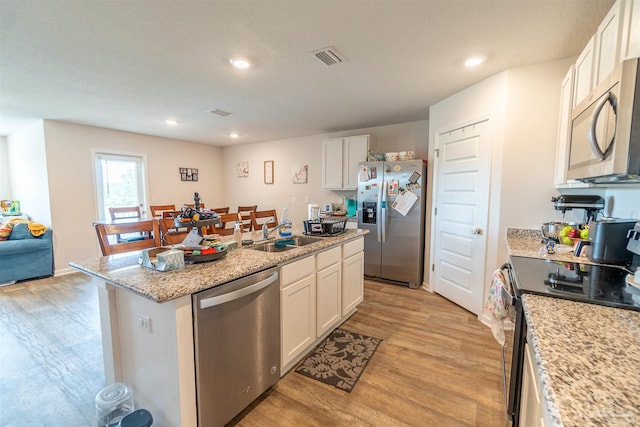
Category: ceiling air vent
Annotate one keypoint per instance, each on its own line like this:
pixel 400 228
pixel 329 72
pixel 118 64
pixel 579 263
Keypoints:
pixel 329 55
pixel 220 113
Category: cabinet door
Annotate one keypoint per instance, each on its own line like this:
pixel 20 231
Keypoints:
pixel 298 317
pixel 352 282
pixel 328 297
pixel 630 44
pixel 562 149
pixel 531 409
pixel 608 38
pixel 332 164
pixel 584 72
pixel 355 151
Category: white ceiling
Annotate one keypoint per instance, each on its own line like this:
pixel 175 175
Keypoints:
pixel 129 65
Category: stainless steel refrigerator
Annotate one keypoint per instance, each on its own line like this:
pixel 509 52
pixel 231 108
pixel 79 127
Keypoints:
pixel 391 204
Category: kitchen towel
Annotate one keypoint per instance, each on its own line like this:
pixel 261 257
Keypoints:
pixel 499 305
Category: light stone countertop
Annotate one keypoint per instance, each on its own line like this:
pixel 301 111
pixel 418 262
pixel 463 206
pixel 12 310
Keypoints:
pixel 587 354
pixel 124 271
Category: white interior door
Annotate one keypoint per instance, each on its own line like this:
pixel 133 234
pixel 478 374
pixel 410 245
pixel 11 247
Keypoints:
pixel 462 198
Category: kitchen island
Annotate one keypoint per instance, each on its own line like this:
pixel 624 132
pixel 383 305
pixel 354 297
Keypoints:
pixel 585 355
pixel 147 318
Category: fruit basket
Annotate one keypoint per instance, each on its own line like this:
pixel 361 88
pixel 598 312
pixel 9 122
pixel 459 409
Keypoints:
pixel 324 227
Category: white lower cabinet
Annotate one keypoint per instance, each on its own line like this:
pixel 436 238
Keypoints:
pixel 352 275
pixel 316 295
pixel 531 405
pixel 297 308
pixel 328 289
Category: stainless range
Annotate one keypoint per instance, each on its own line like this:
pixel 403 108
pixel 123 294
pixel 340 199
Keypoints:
pixel 608 285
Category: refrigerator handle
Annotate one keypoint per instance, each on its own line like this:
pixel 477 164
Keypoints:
pixel 383 213
pixel 379 212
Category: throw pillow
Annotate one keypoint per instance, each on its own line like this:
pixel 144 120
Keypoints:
pixel 5 231
pixel 20 232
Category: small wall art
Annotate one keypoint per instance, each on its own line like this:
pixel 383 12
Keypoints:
pixel 300 174
pixel 268 172
pixel 243 169
pixel 188 174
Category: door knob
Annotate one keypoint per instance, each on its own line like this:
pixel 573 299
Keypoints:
pixel 477 231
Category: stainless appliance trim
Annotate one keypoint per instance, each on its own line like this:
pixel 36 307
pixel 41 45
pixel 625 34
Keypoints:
pixel 379 207
pixel 231 296
pixel 236 345
pixel 384 212
pixel 619 161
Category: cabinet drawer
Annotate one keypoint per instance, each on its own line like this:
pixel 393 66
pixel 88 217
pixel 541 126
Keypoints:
pixel 297 270
pixel 326 258
pixel 353 247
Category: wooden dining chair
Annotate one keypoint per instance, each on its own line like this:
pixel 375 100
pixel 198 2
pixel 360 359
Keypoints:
pixel 226 226
pixel 191 205
pixel 246 217
pixel 169 234
pixel 170 214
pixel 221 211
pixel 258 218
pixel 158 210
pixel 125 212
pixel 110 244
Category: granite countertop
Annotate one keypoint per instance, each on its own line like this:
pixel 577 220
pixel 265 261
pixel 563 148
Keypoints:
pixel 124 271
pixel 528 243
pixel 586 354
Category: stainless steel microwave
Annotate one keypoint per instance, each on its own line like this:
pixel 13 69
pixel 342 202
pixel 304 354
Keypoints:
pixel 605 130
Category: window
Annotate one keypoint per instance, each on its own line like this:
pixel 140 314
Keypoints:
pixel 120 182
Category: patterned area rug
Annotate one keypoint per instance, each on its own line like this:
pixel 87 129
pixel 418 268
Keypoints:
pixel 340 359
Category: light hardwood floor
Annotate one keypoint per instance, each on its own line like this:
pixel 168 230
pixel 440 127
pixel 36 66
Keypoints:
pixel 437 366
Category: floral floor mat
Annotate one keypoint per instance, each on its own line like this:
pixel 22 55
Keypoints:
pixel 340 359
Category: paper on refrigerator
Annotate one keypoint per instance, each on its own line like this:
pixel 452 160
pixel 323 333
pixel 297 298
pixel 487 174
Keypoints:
pixel 404 202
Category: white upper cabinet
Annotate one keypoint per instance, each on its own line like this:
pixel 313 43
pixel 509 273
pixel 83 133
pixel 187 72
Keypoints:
pixel 608 38
pixel 583 82
pixel 332 163
pixel 340 158
pixel 562 150
pixel 630 44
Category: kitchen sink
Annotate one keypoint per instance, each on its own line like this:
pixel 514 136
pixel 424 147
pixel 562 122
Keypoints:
pixel 271 247
pixel 276 247
pixel 303 241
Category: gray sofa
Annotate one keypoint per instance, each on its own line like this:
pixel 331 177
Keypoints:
pixel 24 256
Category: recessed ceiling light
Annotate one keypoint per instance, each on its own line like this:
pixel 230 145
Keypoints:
pixel 171 122
pixel 241 63
pixel 234 135
pixel 474 61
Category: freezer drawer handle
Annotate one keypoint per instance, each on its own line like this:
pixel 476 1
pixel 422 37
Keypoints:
pixel 231 296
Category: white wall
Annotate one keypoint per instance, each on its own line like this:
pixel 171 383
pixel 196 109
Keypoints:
pixel 290 153
pixel 28 171
pixel 5 182
pixel 72 188
pixel 531 129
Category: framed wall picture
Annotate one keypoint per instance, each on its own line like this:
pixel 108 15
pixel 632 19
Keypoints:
pixel 268 172
pixel 188 174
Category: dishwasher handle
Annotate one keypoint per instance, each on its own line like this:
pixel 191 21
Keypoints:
pixel 234 295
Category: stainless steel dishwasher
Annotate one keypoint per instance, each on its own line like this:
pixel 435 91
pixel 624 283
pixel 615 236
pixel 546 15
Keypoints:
pixel 237 345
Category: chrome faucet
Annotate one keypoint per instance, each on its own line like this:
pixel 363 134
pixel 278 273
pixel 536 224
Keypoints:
pixel 266 230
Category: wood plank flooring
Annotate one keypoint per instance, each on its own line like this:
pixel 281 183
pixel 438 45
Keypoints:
pixel 51 364
pixel 437 366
